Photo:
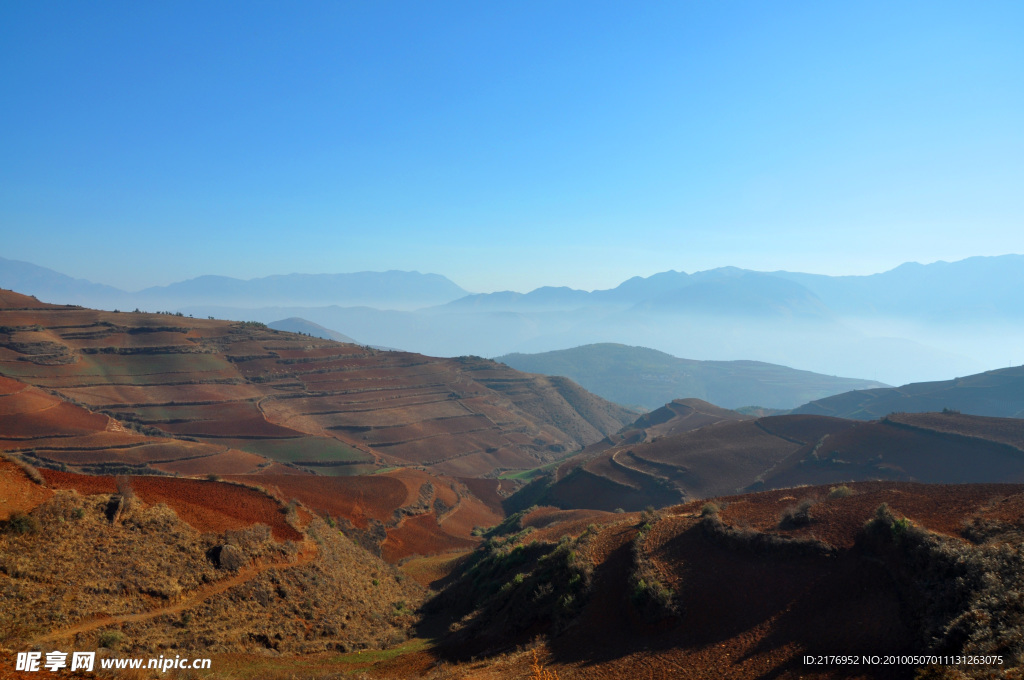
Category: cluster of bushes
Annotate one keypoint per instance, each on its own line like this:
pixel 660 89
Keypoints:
pixel 750 540
pixel 653 599
pixel 21 523
pixel 968 598
pixel 797 516
pixel 511 586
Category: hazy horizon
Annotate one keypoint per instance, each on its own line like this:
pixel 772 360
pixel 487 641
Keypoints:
pixel 610 285
pixel 508 147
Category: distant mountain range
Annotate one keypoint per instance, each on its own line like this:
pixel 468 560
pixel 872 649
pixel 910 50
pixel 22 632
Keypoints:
pixel 913 323
pixel 386 290
pixel 647 378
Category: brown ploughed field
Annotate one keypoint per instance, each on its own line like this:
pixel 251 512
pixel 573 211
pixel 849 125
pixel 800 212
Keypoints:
pixel 204 505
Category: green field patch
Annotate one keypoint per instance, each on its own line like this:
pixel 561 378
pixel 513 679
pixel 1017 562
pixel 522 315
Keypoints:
pixel 150 364
pixel 357 470
pixel 528 475
pixel 227 411
pixel 302 449
pixel 371 657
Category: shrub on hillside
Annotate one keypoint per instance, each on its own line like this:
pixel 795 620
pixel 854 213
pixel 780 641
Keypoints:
pixel 797 516
pixel 969 599
pixel 840 492
pixel 22 523
pixel 758 542
pixel 709 509
pixel 30 470
pixel 509 587
pixel 653 600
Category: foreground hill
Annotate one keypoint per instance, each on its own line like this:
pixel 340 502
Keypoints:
pixel 333 407
pixel 997 393
pixel 740 587
pixel 774 452
pixel 735 591
pixel 638 376
pixel 176 564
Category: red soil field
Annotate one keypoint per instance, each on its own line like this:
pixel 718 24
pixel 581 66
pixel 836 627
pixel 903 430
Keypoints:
pixel 146 452
pixel 10 385
pixel 413 479
pixel 112 395
pixel 25 401
pixel 420 535
pixel 10 300
pixel 357 499
pixel 486 490
pixel 205 505
pixel 17 491
pixel 61 418
pixel 231 462
pixel 469 515
pixel 95 440
pixel 92 337
pixel 255 426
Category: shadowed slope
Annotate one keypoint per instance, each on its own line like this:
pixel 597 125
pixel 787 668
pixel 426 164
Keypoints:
pixel 785 451
pixel 997 393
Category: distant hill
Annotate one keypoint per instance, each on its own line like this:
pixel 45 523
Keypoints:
pixel 997 393
pixel 51 286
pixel 575 485
pixel 638 376
pixel 296 325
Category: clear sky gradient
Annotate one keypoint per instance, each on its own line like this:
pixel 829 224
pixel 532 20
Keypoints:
pixel 507 145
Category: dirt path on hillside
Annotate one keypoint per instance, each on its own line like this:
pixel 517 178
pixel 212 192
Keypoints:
pixel 304 557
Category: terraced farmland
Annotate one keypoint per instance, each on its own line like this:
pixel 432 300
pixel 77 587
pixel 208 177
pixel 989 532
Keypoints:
pixel 320 405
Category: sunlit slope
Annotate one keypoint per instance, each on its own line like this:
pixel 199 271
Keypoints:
pixel 337 408
pixel 46 430
pixel 163 563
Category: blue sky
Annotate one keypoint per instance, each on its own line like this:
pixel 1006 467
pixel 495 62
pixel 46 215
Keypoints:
pixel 507 145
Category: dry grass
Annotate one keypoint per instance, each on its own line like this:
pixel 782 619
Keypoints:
pixel 538 672
pixel 144 571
